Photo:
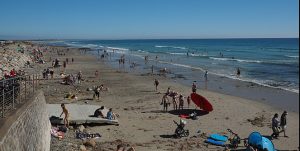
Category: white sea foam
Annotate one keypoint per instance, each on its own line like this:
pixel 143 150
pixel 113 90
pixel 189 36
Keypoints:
pixel 175 47
pixel 232 76
pixel 292 56
pixel 239 60
pixel 116 48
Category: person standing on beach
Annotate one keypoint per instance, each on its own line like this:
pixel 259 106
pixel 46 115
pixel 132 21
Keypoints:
pixel 165 102
pixel 188 101
pixel 79 77
pixel 72 60
pixel 181 102
pixel 64 64
pixel 67 60
pixel 96 92
pixel 156 83
pixel 238 72
pixel 194 87
pixel 152 69
pixel 175 107
pixel 66 112
pixel 275 126
pixel 96 74
pixel 283 123
pixel 205 75
pixel 51 73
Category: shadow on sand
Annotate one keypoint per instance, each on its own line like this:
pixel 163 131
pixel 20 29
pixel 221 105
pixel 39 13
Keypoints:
pixel 188 111
pixel 166 136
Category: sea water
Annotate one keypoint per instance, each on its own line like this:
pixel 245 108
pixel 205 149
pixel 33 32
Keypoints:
pixel 271 62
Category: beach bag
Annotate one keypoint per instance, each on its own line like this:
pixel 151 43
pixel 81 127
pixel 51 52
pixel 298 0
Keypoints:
pixel 62 129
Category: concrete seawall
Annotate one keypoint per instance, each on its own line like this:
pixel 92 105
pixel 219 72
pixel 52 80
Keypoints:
pixel 28 128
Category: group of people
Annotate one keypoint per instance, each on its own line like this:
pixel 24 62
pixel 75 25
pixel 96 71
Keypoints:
pixel 13 73
pixel 177 100
pixel 46 73
pixel 72 79
pixel 110 114
pixel 279 125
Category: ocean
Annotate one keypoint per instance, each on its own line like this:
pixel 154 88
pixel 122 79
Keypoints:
pixel 271 62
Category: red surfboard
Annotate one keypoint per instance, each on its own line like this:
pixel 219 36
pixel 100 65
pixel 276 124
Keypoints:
pixel 201 102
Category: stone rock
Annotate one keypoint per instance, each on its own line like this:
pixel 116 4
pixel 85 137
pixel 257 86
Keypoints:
pixel 82 148
pixel 86 131
pixel 81 128
pixel 90 142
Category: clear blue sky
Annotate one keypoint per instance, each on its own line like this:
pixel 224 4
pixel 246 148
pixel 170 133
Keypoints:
pixel 134 19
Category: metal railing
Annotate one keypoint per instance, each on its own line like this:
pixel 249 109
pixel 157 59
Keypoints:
pixel 15 91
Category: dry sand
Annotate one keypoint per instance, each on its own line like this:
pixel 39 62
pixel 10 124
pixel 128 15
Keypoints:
pixel 143 124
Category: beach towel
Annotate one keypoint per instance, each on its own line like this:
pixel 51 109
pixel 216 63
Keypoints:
pixel 83 135
pixel 184 116
pixel 56 133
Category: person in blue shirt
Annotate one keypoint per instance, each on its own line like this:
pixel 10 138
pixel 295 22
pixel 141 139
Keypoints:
pixel 110 115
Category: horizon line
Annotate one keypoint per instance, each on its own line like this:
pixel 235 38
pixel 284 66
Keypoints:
pixel 37 39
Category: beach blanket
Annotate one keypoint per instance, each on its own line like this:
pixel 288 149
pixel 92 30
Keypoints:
pixel 83 135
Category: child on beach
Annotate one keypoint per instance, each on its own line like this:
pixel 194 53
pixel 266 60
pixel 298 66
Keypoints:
pixel 66 112
pixel 96 92
pixel 181 102
pixel 110 115
pixel 156 83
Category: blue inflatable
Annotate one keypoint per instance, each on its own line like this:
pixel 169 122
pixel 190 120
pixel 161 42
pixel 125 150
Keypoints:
pixel 256 140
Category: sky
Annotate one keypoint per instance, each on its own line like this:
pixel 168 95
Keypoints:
pixel 148 19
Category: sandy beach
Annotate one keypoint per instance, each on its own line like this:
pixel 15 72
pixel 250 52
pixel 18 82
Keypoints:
pixel 142 122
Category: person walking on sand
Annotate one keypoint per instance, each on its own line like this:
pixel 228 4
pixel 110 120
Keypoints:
pixel 165 102
pixel 283 123
pixel 156 83
pixel 188 101
pixel 66 113
pixel 275 126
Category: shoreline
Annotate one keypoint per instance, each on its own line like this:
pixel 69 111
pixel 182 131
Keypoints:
pixel 235 87
pixel 142 122
pixel 133 97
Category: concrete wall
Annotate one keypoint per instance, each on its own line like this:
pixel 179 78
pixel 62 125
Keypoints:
pixel 30 131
